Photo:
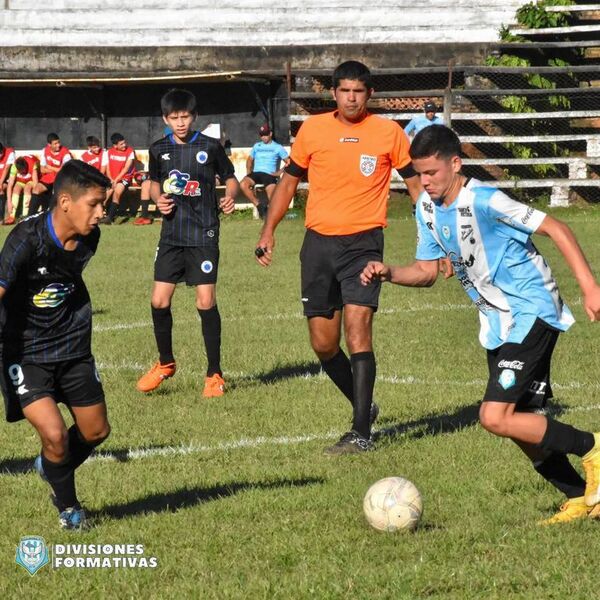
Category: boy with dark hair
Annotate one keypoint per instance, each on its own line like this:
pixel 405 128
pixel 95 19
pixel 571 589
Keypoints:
pixel 487 236
pixel 23 178
pixel 117 165
pixel 183 166
pixel 7 159
pixel 94 154
pixel 46 332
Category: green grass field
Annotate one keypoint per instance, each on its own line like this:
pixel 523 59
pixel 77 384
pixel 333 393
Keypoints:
pixel 234 497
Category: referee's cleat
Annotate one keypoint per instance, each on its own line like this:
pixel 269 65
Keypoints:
pixel 571 510
pixel 591 466
pixel 350 443
pixel 214 386
pixel 155 376
pixel 374 413
pixel 73 518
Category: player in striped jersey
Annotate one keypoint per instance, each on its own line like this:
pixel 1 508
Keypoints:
pixel 487 236
pixel 183 166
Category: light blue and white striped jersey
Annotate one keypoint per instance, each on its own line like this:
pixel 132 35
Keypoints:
pixel 486 235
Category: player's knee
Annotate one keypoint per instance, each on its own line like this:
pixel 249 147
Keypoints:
pixel 324 349
pixel 160 302
pixel 55 442
pixel 492 420
pixel 97 435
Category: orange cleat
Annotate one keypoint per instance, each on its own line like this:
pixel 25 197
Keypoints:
pixel 143 221
pixel 214 386
pixel 9 220
pixel 155 376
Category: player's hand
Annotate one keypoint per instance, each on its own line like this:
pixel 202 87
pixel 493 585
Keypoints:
pixel 264 249
pixel 446 268
pixel 375 271
pixel 227 204
pixel 165 205
pixel 591 303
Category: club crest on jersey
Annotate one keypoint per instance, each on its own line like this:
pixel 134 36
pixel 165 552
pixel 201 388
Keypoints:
pixel 367 164
pixel 206 266
pixel 202 157
pixel 446 232
pixel 180 184
pixel 53 295
pixel 507 378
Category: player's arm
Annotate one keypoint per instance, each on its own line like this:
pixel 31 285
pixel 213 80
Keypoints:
pixel 286 162
pixel 564 239
pixel 278 205
pixel 34 175
pixel 249 164
pixel 421 273
pixel 164 203
pixel 232 188
pixel 4 173
pixel 125 169
pixel 9 191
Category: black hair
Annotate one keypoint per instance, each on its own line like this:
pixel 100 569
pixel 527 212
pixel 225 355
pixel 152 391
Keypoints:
pixel 115 138
pixel 52 137
pixel 177 100
pixel 21 164
pixel 75 177
pixel 92 140
pixel 435 140
pixel 354 71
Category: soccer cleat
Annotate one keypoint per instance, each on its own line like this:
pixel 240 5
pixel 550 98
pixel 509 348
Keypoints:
pixel 155 376
pixel 374 413
pixel 105 221
pixel 72 518
pixel 350 443
pixel 214 386
pixel 591 466
pixel 9 220
pixel 571 510
pixel 143 221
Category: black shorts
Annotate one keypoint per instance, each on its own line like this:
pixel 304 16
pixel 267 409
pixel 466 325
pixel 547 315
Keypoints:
pixel 192 264
pixel 262 178
pixel 74 383
pixel 520 373
pixel 330 270
pixel 125 182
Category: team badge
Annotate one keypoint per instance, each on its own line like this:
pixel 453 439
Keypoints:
pixel 32 553
pixel 206 266
pixel 507 378
pixel 202 157
pixel 367 164
pixel 446 232
pixel 53 295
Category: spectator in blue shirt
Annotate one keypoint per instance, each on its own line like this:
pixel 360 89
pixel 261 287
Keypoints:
pixel 263 168
pixel 422 121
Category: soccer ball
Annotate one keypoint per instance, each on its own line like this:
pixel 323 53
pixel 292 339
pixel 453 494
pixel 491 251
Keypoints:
pixel 393 503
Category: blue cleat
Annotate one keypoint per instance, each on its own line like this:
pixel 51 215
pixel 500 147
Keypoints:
pixel 37 465
pixel 73 518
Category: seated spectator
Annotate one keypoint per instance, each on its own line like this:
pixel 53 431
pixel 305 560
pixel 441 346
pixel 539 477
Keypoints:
pixel 117 165
pixel 142 178
pixel 93 155
pixel 22 180
pixel 54 156
pixel 263 167
pixel 7 159
pixel 424 120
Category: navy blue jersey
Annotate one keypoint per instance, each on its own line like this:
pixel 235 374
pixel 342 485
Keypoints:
pixel 186 173
pixel 47 312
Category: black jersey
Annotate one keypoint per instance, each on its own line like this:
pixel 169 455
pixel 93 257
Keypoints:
pixel 186 173
pixel 47 312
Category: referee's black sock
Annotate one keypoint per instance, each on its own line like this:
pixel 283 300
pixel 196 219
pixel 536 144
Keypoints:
pixel 565 439
pixel 557 470
pixel 163 327
pixel 211 332
pixel 339 370
pixel 61 477
pixel 363 374
pixel 79 449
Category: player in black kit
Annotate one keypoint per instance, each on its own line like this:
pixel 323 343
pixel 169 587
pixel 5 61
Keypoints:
pixel 183 166
pixel 46 328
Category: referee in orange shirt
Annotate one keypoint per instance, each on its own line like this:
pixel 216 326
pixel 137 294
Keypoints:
pixel 348 155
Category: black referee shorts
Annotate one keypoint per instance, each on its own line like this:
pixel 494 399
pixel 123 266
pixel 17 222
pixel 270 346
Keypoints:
pixel 520 373
pixel 330 270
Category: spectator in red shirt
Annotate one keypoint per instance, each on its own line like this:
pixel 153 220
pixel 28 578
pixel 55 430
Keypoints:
pixel 54 156
pixel 94 154
pixel 23 178
pixel 7 158
pixel 117 163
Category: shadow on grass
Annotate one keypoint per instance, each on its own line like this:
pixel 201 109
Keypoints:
pixel 279 373
pixel 465 416
pixel 188 497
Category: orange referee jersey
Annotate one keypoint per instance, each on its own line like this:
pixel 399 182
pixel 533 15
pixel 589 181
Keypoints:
pixel 349 171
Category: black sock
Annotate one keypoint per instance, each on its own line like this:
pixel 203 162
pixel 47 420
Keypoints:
pixel 34 204
pixel 557 470
pixel 163 327
pixel 145 208
pixel 363 375
pixel 112 211
pixel 2 206
pixel 79 449
pixel 211 332
pixel 339 370
pixel 61 477
pixel 565 439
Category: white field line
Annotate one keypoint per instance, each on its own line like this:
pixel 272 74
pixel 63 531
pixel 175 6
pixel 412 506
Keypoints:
pixel 258 442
